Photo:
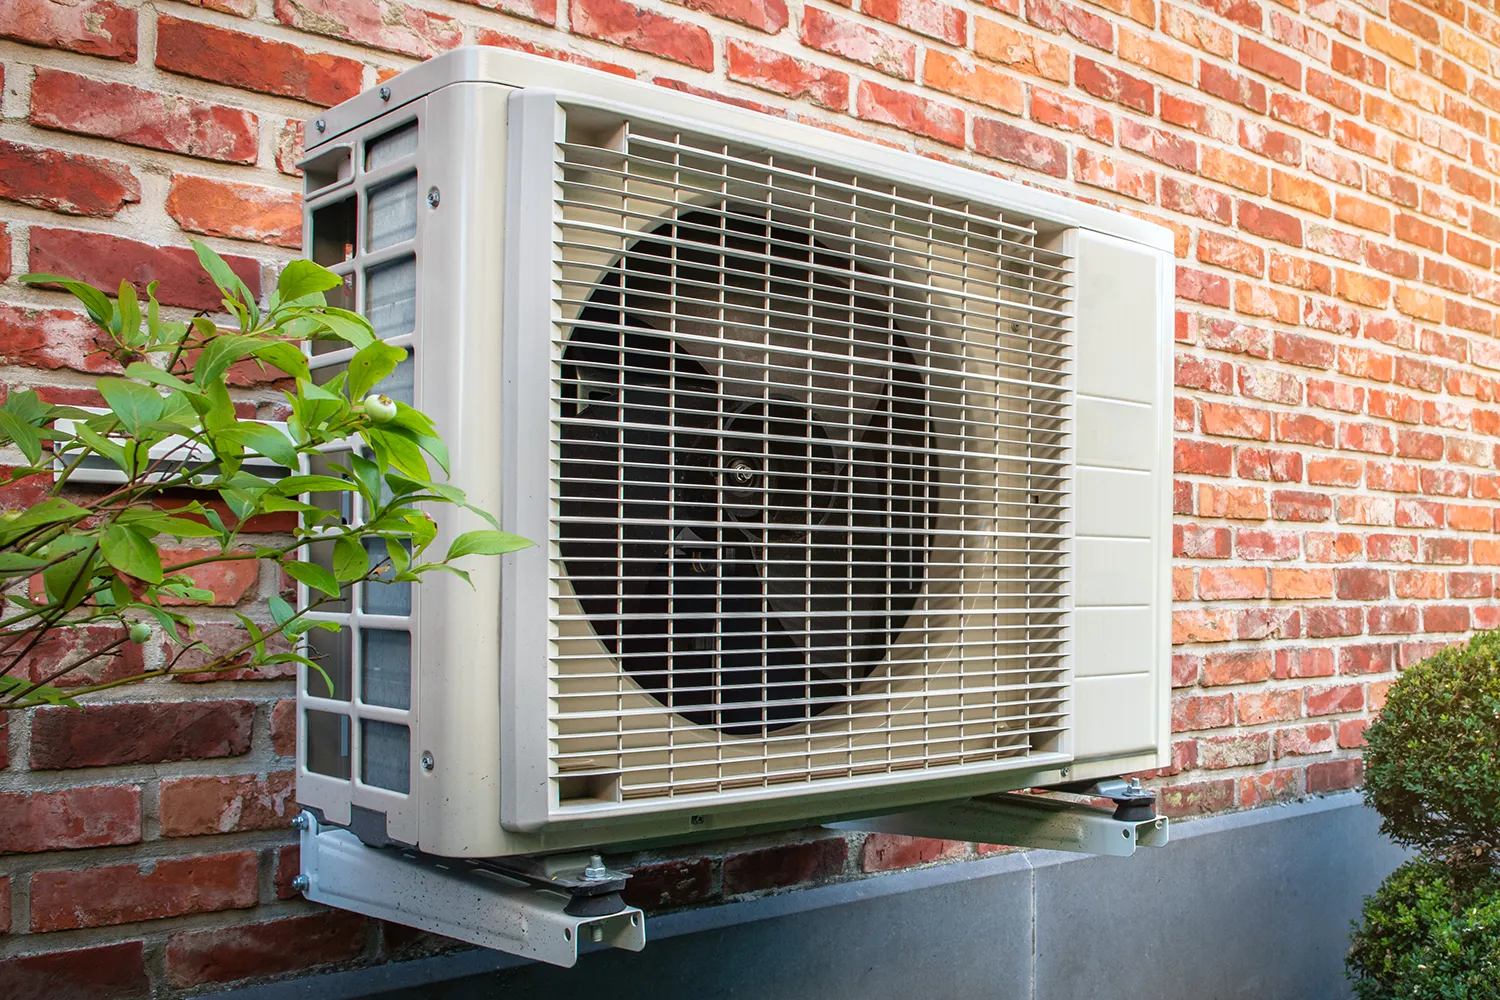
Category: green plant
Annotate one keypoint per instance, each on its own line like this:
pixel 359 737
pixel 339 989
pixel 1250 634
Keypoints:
pixel 83 556
pixel 1432 770
pixel 1432 765
pixel 1429 934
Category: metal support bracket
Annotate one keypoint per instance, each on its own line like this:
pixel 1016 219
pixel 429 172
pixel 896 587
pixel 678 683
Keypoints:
pixel 1025 821
pixel 521 907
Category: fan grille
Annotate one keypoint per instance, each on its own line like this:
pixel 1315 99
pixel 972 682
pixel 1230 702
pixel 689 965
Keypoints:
pixel 810 488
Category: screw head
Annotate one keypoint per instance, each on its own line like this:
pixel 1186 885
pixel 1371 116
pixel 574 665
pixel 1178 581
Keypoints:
pixel 301 883
pixel 434 197
pixel 320 125
pixel 385 93
pixel 595 869
pixel 300 821
pixel 1065 771
pixel 428 763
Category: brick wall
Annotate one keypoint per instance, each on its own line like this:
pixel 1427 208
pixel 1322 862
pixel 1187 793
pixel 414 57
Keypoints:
pixel 1326 167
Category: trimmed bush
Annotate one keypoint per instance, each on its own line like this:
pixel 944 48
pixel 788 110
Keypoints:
pixel 1432 767
pixel 1428 934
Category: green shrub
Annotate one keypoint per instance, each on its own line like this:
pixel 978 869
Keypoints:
pixel 1429 934
pixel 1432 767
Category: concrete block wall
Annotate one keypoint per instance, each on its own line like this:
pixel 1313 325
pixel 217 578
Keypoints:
pixel 1327 167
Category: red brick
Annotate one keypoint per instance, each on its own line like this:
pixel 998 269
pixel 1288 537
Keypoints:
pixel 1301 584
pixel 1109 84
pixel 1192 541
pixel 92 27
pixel 1191 713
pixel 1194 199
pixel 1269 787
pixel 1224 420
pixel 842 37
pixel 284 728
pixel 289 866
pixel 1057 111
pixel 1303 740
pixel 1198 798
pixel 151 890
pixel 769 16
pixel 1335 699
pixel 1258 707
pixel 1363 584
pixel 1202 626
pixel 1392 620
pixel 139 734
pixel 71 183
pixel 976 82
pixel 127 114
pixel 388 25
pixel 1232 87
pixel 194 806
pixel 1292 505
pixel 1269 464
pixel 225 954
pixel 632 27
pixel 1236 171
pixel 910 112
pixel 925 17
pixel 1334 775
pixel 1249 667
pixel 786 865
pixel 105 972
pixel 235 59
pixel 1452 618
pixel 1352 733
pixel 1014 145
pixel 1114 175
pixel 95 816
pixel 1309 662
pixel 1213 122
pixel 885 852
pixel 667 885
pixel 105 261
pixel 1266 545
pixel 1238 750
pixel 1200 286
pixel 237 211
pixel 1022 52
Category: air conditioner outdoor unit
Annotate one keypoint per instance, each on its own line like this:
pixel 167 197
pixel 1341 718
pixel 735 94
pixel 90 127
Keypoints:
pixel 849 471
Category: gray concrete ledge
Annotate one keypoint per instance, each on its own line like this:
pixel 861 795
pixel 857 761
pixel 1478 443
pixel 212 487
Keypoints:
pixel 1248 905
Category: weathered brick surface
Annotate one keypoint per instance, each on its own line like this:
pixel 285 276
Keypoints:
pixel 150 733
pixel 231 953
pixel 1327 172
pixel 123 894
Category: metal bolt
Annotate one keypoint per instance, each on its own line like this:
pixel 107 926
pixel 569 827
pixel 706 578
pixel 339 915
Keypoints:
pixel 427 762
pixel 385 93
pixel 1065 771
pixel 1161 823
pixel 301 883
pixel 595 871
pixel 434 197
pixel 300 821
pixel 596 931
pixel 320 125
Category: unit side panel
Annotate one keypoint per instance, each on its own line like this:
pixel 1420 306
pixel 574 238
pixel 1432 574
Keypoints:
pixel 1123 529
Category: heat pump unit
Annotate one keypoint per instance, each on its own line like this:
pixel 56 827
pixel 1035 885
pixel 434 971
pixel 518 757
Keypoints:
pixel 848 469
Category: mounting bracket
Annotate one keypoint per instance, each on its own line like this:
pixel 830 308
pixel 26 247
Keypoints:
pixel 1018 820
pixel 537 908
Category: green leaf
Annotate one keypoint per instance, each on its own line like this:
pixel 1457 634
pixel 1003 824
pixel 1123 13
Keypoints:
pixel 221 352
pixel 147 373
pixel 66 581
pixel 395 449
pixel 97 304
pixel 301 278
pixel 285 356
pixel 129 316
pixel 134 404
pixel 312 575
pixel 264 439
pixel 112 450
pixel 486 543
pixel 350 560
pixel 369 365
pixel 131 551
pixel 368 475
pixel 229 283
pixel 178 527
pixel 52 511
pixel 347 326
pixel 281 611
pixel 292 485
pixel 25 436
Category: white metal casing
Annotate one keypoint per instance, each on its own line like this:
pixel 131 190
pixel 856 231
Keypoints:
pixel 490 124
